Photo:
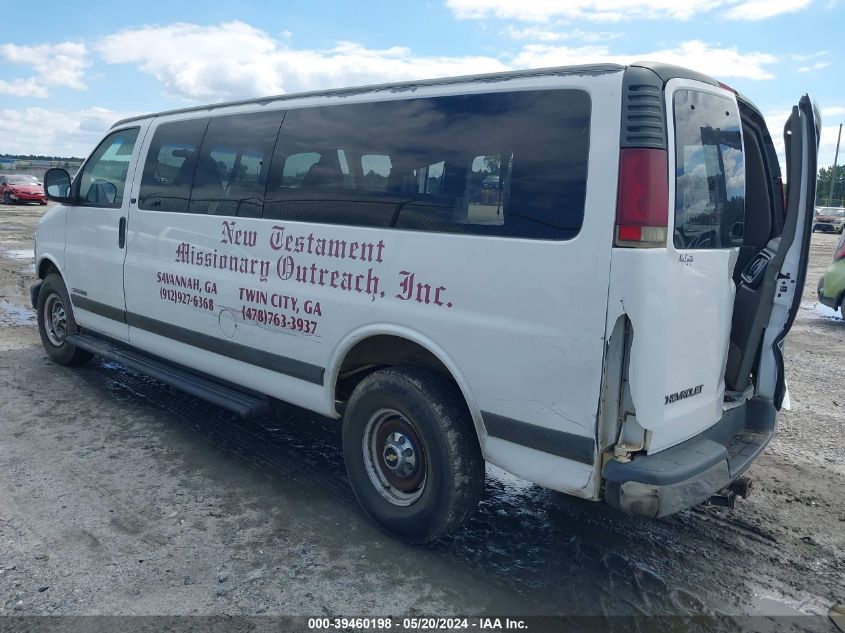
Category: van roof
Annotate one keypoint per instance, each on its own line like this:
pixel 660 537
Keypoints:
pixel 663 71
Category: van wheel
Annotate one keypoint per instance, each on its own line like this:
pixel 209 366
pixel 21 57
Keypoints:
pixel 412 454
pixel 56 322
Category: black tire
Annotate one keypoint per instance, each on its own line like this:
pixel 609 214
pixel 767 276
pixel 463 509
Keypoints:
pixel 7 198
pixel 53 289
pixel 453 465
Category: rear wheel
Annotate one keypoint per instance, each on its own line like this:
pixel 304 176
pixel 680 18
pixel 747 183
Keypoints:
pixel 56 323
pixel 412 454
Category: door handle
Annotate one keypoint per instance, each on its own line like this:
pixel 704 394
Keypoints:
pixel 121 233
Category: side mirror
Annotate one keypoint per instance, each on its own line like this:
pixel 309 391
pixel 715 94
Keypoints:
pixel 57 186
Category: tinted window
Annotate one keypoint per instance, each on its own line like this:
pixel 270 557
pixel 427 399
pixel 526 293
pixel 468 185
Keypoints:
pixel 709 172
pixel 169 170
pixel 103 178
pixel 231 170
pixel 510 164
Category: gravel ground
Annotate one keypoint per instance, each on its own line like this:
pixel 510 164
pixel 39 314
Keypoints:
pixel 119 495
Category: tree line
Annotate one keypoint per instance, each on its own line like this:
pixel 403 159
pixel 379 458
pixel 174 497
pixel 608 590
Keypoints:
pixel 823 197
pixel 40 157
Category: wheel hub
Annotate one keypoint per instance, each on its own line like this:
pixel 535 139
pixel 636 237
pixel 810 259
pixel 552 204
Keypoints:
pixel 55 320
pixel 394 457
pixel 400 455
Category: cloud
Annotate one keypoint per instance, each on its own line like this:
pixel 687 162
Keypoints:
pixel 598 10
pixel 556 33
pixel 618 10
pixel 235 60
pixel 805 57
pixel 763 9
pixel 54 132
pixel 62 65
pixel 694 54
pixel 816 66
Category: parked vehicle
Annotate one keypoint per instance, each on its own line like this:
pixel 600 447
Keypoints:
pixel 829 219
pixel 21 188
pixel 831 286
pixel 334 250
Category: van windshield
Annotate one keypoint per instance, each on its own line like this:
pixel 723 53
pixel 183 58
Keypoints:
pixel 709 171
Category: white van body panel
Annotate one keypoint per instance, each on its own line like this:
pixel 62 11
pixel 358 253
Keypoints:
pixel 680 304
pixel 521 325
pixel 50 237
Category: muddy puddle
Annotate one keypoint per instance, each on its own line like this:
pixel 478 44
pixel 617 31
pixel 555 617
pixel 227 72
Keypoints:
pixel 25 256
pixel 14 314
pixel 815 310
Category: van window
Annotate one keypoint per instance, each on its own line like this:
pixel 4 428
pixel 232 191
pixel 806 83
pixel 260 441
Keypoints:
pixel 508 164
pixel 103 177
pixel 709 171
pixel 231 170
pixel 169 168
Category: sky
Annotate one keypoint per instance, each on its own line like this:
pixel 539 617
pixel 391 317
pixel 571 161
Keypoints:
pixel 68 71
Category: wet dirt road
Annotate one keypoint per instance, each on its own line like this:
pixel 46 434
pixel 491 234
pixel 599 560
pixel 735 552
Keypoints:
pixel 121 496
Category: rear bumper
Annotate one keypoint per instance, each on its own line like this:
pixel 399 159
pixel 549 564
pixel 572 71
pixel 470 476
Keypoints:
pixel 685 475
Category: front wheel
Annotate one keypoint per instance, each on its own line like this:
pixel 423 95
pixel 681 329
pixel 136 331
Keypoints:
pixel 56 322
pixel 412 454
pixel 7 198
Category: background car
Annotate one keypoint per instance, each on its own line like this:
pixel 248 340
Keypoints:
pixel 831 287
pixel 21 188
pixel 829 219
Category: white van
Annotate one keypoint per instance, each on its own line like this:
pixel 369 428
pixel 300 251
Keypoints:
pixel 583 275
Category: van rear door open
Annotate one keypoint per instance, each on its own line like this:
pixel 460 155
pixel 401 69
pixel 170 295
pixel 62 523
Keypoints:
pixel 731 275
pixel 801 138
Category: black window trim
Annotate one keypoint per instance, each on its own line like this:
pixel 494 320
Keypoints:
pixel 284 112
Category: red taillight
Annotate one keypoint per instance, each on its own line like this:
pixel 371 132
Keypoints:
pixel 642 207
pixel 727 87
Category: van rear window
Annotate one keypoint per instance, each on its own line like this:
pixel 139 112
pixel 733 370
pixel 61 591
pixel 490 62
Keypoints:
pixel 709 171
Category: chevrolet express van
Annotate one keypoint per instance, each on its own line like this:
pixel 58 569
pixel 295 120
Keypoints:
pixel 583 275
